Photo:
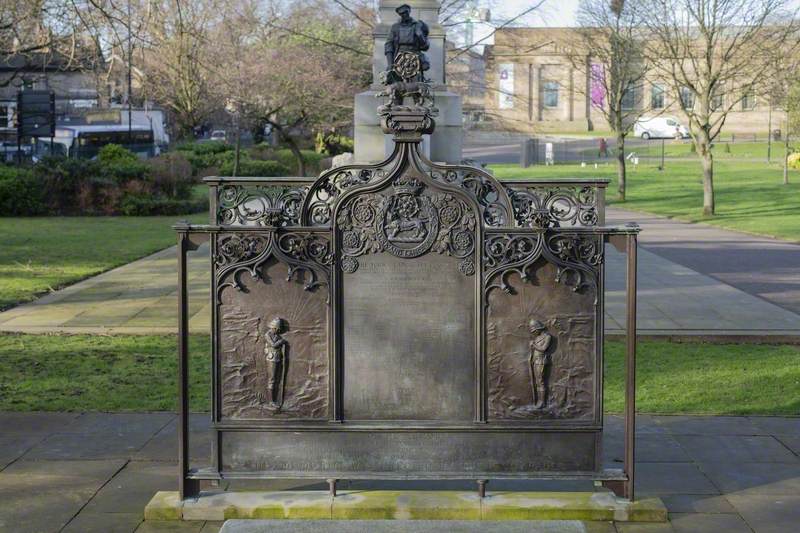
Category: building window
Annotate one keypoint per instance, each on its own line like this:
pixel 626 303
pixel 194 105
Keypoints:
pixel 657 100
pixel 687 98
pixel 629 98
pixel 551 94
pixel 748 100
pixel 5 116
pixel 717 100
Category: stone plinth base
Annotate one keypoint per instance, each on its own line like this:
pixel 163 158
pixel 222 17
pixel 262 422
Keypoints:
pixel 406 505
pixel 419 526
pixel 444 146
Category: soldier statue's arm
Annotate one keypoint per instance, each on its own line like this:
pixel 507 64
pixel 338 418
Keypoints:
pixel 422 32
pixel 389 48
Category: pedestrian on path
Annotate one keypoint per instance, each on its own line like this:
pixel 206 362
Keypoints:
pixel 603 148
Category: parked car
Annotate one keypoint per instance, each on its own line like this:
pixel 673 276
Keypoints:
pixel 660 128
pixel 219 135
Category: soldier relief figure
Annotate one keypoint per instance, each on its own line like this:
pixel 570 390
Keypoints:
pixel 275 354
pixel 539 359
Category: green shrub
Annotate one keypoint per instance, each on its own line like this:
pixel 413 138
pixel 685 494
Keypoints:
pixel 255 168
pixel 119 165
pixel 794 161
pixel 204 148
pixel 112 154
pixel 311 158
pixel 137 205
pixel 333 144
pixel 206 156
pixel 21 193
pixel 171 175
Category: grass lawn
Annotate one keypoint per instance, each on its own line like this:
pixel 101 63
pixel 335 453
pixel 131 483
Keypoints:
pixel 138 373
pixel 750 196
pixel 41 254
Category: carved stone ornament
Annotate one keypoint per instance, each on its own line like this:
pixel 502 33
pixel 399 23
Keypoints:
pixel 406 223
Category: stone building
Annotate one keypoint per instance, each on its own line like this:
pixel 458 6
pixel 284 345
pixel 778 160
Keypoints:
pixel 74 84
pixel 466 76
pixel 533 86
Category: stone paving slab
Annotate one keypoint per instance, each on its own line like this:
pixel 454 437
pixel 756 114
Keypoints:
pixel 736 449
pixel 97 494
pixel 769 514
pixel 708 523
pixel 45 496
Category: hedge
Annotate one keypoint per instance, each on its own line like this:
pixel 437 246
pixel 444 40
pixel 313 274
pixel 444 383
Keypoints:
pixel 117 182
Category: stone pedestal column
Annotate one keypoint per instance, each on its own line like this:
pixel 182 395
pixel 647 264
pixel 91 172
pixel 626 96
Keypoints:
pixel 445 145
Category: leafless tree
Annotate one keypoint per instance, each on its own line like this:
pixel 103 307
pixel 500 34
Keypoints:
pixel 42 34
pixel 713 54
pixel 176 59
pixel 609 53
pixel 302 73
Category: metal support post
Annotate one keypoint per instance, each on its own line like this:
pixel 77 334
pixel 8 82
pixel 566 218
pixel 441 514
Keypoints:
pixel 188 488
pixel 630 370
pixel 482 488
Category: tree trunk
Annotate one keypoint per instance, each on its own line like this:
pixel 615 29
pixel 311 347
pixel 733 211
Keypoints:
pixel 709 207
pixel 621 170
pixel 298 155
pixel 238 151
pixel 786 159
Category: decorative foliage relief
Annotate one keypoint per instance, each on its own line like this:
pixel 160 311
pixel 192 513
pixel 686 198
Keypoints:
pixel 308 256
pixel 549 206
pixel 408 222
pixel 260 205
pixel 576 256
pixel 486 191
pixel 325 191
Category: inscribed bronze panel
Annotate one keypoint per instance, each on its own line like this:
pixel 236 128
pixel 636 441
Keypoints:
pixel 409 339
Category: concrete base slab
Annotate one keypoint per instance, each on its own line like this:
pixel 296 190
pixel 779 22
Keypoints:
pixel 420 526
pixel 406 505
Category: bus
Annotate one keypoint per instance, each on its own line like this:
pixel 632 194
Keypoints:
pixel 84 142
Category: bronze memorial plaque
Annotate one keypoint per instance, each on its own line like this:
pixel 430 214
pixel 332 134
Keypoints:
pixel 407 319
pixel 409 336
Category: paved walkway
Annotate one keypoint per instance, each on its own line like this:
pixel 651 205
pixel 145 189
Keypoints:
pixel 94 473
pixel 689 285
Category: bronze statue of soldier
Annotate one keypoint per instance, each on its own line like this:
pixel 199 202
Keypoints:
pixel 410 37
pixel 539 359
pixel 407 62
pixel 275 355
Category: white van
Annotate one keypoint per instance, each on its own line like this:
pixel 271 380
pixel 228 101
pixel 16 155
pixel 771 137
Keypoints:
pixel 660 128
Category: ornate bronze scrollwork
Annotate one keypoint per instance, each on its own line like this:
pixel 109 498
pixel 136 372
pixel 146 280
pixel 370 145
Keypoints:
pixel 554 206
pixel 407 224
pixel 308 256
pixel 259 205
pixel 577 256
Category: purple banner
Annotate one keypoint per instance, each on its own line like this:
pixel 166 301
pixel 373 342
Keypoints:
pixel 597 89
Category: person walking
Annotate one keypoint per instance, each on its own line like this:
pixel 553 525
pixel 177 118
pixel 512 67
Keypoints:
pixel 603 148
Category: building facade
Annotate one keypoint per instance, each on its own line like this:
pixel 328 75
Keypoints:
pixel 534 85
